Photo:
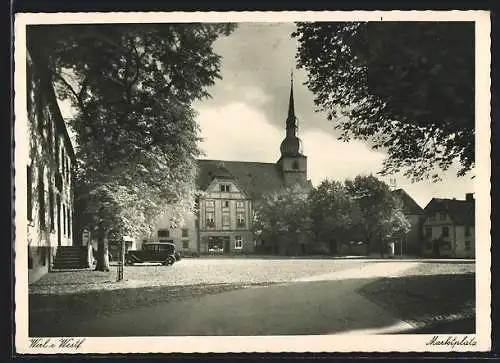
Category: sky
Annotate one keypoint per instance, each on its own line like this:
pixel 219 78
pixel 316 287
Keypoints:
pixel 245 117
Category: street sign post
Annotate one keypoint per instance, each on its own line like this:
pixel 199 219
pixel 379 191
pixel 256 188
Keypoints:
pixel 121 259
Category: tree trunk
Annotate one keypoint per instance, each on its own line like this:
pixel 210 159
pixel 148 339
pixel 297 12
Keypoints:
pixel 102 250
pixel 381 246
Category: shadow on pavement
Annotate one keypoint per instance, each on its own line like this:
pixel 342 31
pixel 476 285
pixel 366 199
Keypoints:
pixel 432 303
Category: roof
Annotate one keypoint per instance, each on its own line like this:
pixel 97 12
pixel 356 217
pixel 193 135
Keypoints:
pixel 255 178
pixel 462 212
pixel 409 204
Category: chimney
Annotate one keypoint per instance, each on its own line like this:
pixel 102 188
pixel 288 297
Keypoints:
pixel 469 197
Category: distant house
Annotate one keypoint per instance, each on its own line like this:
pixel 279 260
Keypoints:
pixel 448 228
pixel 411 243
pixel 230 190
pixel 49 160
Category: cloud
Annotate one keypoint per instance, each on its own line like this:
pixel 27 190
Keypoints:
pixel 236 131
pixel 337 160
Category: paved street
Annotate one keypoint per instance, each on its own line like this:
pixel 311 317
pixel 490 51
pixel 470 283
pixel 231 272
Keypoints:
pixel 318 302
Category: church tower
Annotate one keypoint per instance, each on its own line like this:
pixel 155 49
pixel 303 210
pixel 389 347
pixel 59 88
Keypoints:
pixel 292 162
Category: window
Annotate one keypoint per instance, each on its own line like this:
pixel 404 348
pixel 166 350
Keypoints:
pixel 210 219
pixel 50 140
pixel 41 199
pixel 63 163
pixel 428 232
pixel 68 169
pixel 467 245
pixel 185 244
pixel 43 256
pixel 225 188
pixel 69 222
pixel 64 220
pixel 238 242
pixel 226 204
pixel 467 231
pixel 225 219
pixel 295 165
pixel 185 232
pixel 432 217
pixel 29 192
pixel 210 204
pixel 240 219
pixel 446 232
pixel 442 216
pixel 163 233
pixel 240 204
pixel 51 209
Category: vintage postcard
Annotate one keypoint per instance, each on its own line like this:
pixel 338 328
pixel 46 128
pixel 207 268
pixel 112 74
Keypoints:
pixel 252 182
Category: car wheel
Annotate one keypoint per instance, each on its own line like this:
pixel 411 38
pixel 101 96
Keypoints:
pixel 129 261
pixel 169 261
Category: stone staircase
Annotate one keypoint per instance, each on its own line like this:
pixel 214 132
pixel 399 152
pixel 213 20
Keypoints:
pixel 70 257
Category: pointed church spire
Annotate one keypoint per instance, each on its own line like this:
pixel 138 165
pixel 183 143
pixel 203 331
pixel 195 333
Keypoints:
pixel 291 119
pixel 291 105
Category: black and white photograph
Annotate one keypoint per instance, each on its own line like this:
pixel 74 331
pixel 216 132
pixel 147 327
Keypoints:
pixel 252 182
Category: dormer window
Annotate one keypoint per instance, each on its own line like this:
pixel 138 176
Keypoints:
pixel 225 188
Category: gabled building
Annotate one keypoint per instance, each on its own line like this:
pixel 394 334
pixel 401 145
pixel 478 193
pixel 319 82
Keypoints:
pixel 230 190
pixel 49 161
pixel 448 228
pixel 411 243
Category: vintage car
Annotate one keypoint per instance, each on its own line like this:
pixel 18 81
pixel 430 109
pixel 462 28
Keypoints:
pixel 153 252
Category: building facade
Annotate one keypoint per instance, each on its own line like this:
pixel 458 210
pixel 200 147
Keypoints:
pixel 448 228
pixel 49 161
pixel 230 189
pixel 411 243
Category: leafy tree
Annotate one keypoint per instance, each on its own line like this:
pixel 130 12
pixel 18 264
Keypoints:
pixel 132 86
pixel 334 214
pixel 407 87
pixel 381 213
pixel 284 216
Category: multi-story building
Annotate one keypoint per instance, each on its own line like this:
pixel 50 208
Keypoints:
pixel 230 189
pixel 410 244
pixel 48 158
pixel 448 228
